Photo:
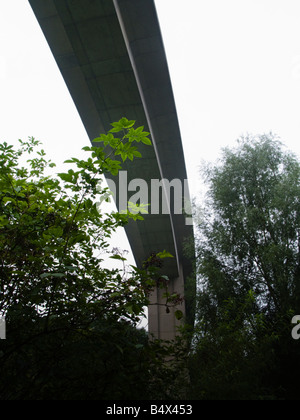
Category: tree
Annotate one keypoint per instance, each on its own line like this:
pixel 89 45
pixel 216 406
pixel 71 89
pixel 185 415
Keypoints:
pixel 70 321
pixel 249 275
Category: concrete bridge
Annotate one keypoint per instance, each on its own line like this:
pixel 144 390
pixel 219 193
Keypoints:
pixel 111 56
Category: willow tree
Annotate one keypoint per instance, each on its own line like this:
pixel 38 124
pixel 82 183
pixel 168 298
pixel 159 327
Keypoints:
pixel 248 265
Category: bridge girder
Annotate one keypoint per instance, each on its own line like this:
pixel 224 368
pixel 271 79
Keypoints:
pixel 112 58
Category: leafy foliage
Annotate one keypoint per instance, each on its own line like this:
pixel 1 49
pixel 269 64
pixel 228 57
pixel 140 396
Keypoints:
pixel 249 275
pixel 70 320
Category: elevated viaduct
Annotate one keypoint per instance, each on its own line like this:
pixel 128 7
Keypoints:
pixel 112 58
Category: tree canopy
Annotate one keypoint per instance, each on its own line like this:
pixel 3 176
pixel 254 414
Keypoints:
pixel 71 321
pixel 248 243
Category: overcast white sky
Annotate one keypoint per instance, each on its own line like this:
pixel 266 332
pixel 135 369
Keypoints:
pixel 235 68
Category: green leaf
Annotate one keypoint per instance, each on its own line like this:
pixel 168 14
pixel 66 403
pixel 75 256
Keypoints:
pixel 73 160
pixel 126 123
pixel 136 154
pixel 139 346
pixel 116 130
pixel 137 208
pixel 139 130
pixel 119 348
pixel 58 275
pixel 117 257
pixel 147 141
pixel 66 177
pixel 164 254
pixel 86 148
pixel 178 314
pixel 129 308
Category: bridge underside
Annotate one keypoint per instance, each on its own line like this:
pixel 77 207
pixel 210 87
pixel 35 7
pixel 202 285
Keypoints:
pixel 112 58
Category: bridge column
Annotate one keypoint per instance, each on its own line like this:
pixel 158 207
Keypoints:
pixel 163 324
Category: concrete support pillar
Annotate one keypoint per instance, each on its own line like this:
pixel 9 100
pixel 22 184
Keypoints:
pixel 163 324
